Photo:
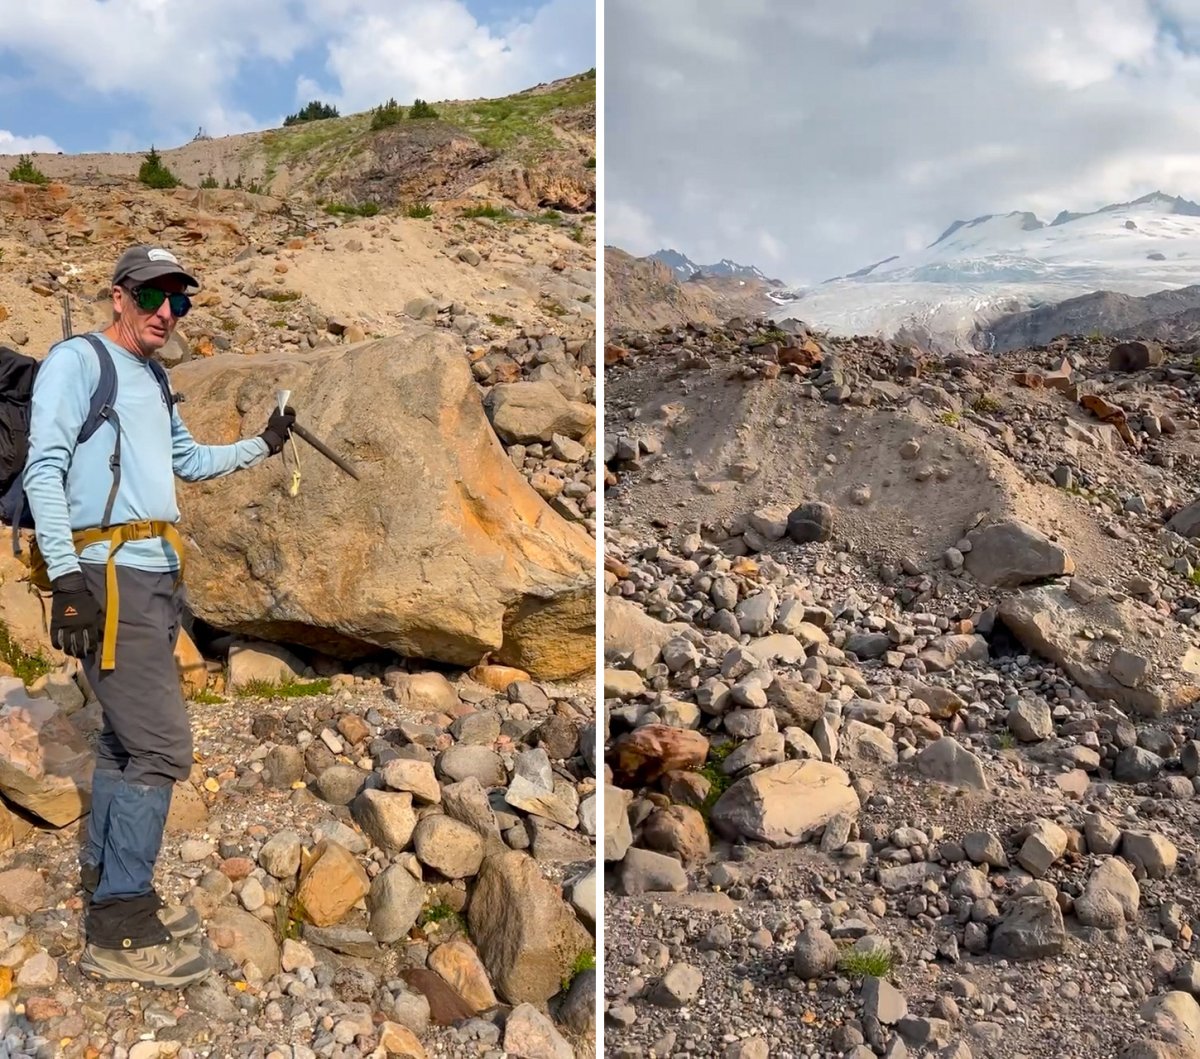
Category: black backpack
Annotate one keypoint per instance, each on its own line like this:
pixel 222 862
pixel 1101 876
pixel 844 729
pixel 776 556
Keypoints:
pixel 17 374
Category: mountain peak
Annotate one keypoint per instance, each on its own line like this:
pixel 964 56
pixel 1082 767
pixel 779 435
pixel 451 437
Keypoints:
pixel 686 268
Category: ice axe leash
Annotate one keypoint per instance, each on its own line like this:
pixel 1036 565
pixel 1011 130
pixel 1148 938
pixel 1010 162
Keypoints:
pixel 297 430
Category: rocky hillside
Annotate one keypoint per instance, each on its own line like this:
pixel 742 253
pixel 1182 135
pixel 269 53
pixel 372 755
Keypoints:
pixel 901 705
pixel 1165 316
pixel 642 293
pixel 389 828
pixel 532 150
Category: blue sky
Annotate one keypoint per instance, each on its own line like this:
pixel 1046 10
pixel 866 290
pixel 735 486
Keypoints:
pixel 103 75
pixel 814 138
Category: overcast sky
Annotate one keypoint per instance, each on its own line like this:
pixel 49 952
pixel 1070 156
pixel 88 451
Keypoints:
pixel 98 75
pixel 811 138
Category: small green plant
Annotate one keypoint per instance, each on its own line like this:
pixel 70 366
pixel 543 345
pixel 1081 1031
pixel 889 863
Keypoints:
pixel 281 295
pixel 26 172
pixel 577 234
pixel 279 324
pixel 209 181
pixel 28 665
pixel 1005 740
pixel 419 212
pixel 1195 577
pixel 441 913
pixel 495 213
pixel 285 689
pixel 874 963
pixel 207 698
pixel 772 335
pixel 363 209
pixel 718 781
pixel 585 961
pixel 500 321
pixel 553 308
pixel 985 404
pixel 314 111
pixel 154 174
pixel 421 109
pixel 949 419
pixel 386 114
pixel 549 217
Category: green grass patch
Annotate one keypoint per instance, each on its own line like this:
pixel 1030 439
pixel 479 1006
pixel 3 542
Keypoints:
pixel 577 234
pixel 985 404
pixel 527 118
pixel 440 913
pixel 718 781
pixel 419 212
pixel 207 698
pixel 585 961
pixel 25 664
pixel 493 213
pixel 549 217
pixel 1005 740
pixel 285 689
pixel 949 419
pixel 362 209
pixel 25 172
pixel 874 963
pixel 280 295
pixel 336 135
pixel 498 320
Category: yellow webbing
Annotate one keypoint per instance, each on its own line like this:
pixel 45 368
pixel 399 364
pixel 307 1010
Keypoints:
pixel 116 536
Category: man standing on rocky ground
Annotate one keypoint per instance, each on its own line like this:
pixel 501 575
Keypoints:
pixel 106 514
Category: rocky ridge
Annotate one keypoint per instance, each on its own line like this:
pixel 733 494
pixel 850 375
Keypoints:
pixel 900 706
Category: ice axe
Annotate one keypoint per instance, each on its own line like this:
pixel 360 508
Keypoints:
pixel 282 397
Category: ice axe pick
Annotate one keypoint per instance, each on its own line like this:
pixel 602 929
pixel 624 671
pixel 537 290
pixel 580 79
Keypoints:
pixel 282 397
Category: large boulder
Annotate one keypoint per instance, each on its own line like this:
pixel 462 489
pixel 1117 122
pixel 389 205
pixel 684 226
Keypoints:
pixel 786 804
pixel 1057 623
pixel 442 550
pixel 1010 553
pixel 45 764
pixel 526 935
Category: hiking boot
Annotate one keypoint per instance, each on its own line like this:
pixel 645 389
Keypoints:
pixel 89 878
pixel 173 965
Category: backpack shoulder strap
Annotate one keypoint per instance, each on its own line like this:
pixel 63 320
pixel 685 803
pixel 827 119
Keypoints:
pixel 104 397
pixel 101 411
pixel 164 383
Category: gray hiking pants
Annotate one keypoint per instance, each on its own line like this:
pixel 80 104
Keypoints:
pixel 146 735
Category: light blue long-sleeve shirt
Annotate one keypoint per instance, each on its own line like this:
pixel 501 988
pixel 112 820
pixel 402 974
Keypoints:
pixel 68 485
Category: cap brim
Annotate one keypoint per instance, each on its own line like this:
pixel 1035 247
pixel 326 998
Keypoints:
pixel 152 271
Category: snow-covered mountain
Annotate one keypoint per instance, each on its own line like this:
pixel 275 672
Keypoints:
pixel 685 268
pixel 978 271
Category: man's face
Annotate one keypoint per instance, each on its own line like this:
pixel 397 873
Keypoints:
pixel 148 331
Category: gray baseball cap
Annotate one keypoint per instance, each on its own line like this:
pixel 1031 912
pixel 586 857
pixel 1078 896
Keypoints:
pixel 141 264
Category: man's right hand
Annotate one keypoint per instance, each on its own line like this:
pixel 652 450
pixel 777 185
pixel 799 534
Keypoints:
pixel 76 619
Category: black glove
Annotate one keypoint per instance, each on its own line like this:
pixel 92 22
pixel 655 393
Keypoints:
pixel 76 620
pixel 278 428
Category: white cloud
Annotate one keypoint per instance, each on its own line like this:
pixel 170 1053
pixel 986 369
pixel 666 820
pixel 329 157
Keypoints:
pixel 849 131
pixel 632 229
pixel 13 144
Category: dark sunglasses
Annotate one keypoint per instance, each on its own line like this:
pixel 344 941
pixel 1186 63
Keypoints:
pixel 150 299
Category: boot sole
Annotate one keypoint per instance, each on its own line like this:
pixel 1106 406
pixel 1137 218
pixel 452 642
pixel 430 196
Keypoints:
pixel 160 981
